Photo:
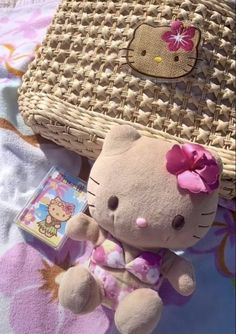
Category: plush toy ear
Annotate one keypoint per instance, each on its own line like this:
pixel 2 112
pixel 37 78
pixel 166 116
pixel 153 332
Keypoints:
pixel 119 139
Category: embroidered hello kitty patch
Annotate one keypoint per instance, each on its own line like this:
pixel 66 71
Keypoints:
pixel 164 52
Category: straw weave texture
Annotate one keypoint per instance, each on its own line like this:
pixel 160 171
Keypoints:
pixel 78 87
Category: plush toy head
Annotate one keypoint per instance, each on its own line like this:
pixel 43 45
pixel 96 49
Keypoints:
pixel 149 193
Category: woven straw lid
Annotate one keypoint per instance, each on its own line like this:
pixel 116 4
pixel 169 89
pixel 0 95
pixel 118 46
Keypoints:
pixel 78 85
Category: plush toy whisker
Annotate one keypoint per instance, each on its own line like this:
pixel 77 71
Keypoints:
pixel 127 49
pixel 208 213
pixel 91 193
pixel 94 180
pixel 196 236
pixel 130 62
pixel 183 69
pixel 92 206
pixel 204 226
pixel 199 59
pixel 125 58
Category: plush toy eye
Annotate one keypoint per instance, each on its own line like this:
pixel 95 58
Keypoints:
pixel 178 222
pixel 176 58
pixel 113 203
pixel 143 53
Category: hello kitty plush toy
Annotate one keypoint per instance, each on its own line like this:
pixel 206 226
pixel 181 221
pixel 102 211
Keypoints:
pixel 146 197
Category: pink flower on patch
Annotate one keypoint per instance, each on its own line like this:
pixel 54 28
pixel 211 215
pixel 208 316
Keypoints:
pixel 196 168
pixel 179 37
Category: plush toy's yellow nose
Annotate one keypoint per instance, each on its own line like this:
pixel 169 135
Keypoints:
pixel 158 59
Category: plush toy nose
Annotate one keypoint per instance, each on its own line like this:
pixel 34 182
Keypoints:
pixel 141 222
pixel 158 59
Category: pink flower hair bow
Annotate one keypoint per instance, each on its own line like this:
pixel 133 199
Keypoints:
pixel 196 169
pixel 179 36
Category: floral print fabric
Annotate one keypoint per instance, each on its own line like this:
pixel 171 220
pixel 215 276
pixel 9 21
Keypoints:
pixel 145 267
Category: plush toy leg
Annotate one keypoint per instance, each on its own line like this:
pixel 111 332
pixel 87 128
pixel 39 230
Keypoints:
pixel 79 291
pixel 139 312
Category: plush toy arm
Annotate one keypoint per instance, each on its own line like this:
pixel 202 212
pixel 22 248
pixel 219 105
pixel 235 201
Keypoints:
pixel 83 227
pixel 180 273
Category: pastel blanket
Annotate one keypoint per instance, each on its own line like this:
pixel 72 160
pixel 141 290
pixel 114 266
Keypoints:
pixel 28 292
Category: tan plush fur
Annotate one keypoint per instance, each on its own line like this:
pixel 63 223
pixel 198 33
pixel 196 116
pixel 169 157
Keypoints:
pixel 141 301
pixel 133 168
pixel 85 296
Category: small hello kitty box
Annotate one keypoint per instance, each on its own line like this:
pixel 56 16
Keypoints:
pixel 56 200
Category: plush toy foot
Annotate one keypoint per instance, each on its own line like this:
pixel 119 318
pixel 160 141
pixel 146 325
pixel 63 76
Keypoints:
pixel 139 312
pixel 79 291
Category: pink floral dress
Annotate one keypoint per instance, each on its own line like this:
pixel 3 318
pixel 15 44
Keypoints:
pixel 108 259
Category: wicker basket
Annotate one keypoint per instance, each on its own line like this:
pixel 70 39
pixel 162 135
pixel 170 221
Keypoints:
pixel 78 87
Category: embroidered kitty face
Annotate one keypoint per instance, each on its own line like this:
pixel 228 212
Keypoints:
pixel 60 210
pixel 164 52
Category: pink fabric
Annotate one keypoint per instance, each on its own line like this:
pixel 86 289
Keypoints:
pixel 196 168
pixel 146 267
pixel 179 37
